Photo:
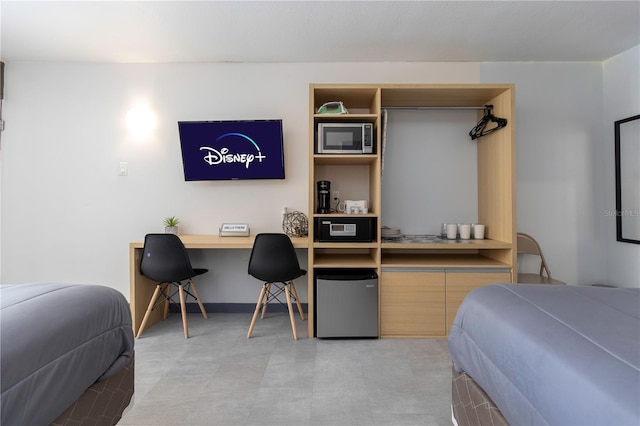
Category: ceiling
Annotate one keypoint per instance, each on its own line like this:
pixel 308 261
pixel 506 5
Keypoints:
pixel 316 31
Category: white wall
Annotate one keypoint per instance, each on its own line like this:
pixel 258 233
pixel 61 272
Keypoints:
pixel 621 100
pixel 67 215
pixel 429 150
pixel 558 140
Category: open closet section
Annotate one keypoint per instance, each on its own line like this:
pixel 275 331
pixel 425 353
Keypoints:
pixel 440 154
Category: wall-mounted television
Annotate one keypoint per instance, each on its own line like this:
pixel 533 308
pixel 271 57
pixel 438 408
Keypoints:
pixel 232 149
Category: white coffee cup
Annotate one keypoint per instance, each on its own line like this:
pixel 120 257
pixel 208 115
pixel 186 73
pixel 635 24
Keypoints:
pixel 465 231
pixel 478 232
pixel 452 231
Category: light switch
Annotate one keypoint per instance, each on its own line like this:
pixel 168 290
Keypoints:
pixel 124 169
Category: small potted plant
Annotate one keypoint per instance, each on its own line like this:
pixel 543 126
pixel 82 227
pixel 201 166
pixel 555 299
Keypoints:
pixel 171 225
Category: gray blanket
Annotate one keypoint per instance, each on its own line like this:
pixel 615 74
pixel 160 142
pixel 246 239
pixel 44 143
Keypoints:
pixel 556 355
pixel 56 340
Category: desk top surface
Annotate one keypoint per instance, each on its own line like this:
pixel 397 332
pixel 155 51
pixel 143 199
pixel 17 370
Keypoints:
pixel 217 242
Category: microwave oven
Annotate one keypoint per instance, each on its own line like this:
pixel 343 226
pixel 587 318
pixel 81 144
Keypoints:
pixel 345 138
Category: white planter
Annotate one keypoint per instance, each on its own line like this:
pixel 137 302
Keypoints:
pixel 171 230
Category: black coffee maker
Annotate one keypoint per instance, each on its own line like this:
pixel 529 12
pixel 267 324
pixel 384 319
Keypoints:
pixel 324 196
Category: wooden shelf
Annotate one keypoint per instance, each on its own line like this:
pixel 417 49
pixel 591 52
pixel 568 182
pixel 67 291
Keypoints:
pixel 352 96
pixel 426 260
pixel 450 245
pixel 450 95
pixel 343 215
pixel 352 260
pixel 345 245
pixel 345 159
pixel 366 118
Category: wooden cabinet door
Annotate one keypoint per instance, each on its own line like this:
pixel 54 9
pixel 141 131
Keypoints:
pixel 459 283
pixel 412 304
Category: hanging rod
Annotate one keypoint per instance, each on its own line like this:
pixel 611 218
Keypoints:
pixel 484 107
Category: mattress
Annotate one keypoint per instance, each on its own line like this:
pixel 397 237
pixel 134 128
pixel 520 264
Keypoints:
pixel 553 354
pixel 56 341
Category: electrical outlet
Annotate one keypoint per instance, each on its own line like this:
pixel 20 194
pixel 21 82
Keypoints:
pixel 335 194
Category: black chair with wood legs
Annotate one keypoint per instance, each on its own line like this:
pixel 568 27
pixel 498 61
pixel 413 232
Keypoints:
pixel 274 261
pixel 166 261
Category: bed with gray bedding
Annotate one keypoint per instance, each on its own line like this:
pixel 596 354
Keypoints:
pixel 545 354
pixel 58 341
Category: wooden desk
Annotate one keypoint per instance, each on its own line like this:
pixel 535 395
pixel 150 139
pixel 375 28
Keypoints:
pixel 142 288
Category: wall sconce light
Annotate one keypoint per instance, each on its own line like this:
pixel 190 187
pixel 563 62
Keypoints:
pixel 141 122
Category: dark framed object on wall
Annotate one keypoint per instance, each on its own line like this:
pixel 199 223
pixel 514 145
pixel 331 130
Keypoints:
pixel 1 80
pixel 627 157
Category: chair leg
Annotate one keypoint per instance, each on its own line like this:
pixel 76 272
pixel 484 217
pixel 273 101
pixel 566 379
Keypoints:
pixel 156 294
pixel 266 300
pixel 295 294
pixel 255 313
pixel 167 294
pixel 293 320
pixel 183 310
pixel 195 292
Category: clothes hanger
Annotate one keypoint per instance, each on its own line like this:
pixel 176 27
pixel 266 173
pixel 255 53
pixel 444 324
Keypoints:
pixel 480 129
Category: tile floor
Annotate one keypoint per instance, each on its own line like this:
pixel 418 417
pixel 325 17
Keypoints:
pixel 218 377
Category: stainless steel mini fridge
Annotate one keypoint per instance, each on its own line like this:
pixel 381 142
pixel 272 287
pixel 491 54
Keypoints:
pixel 346 303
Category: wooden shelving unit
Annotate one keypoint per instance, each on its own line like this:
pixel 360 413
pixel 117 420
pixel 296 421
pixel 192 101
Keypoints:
pixel 421 303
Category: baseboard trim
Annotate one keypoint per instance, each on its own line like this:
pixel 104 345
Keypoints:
pixel 232 308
